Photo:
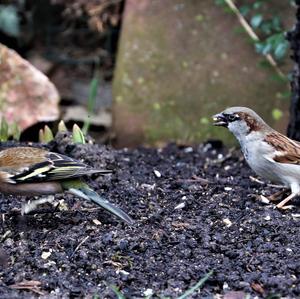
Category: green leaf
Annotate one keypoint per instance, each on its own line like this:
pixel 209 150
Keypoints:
pixel 266 28
pixel 220 2
pixel 277 114
pixel 15 131
pixel 199 18
pixel 48 135
pixel 204 121
pixel 281 50
pixel 257 4
pixel 263 48
pixel 41 136
pixel 256 20
pixel 9 20
pixel 78 136
pixel 244 10
pixel 197 286
pixel 91 101
pixel 62 127
pixel 4 130
pixel 276 24
pixel 259 47
pixel 117 292
pixel 266 49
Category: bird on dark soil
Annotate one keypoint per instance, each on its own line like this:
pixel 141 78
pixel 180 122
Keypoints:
pixel 29 171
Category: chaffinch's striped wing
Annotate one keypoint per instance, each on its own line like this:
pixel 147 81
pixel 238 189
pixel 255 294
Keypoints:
pixel 28 164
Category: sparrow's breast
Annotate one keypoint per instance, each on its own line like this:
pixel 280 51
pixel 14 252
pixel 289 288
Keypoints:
pixel 256 154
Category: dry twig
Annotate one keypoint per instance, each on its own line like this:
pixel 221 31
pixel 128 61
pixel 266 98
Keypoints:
pixel 30 285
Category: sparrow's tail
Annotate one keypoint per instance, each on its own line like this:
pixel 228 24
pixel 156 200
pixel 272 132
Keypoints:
pixel 82 190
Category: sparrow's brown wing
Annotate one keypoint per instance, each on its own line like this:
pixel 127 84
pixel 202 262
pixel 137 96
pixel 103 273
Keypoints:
pixel 26 164
pixel 287 150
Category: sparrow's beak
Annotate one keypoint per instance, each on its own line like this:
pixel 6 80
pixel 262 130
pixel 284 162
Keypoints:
pixel 220 120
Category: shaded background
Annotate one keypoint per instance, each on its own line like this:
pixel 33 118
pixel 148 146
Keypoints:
pixel 163 68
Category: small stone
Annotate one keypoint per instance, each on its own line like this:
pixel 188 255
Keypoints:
pixel 157 173
pixel 122 272
pixel 96 222
pixel 264 199
pixel 188 150
pixel 227 222
pixel 180 206
pixel 148 186
pixel 45 255
pixel 148 293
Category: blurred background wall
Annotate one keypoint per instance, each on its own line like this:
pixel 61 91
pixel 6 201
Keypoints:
pixel 179 62
pixel 142 72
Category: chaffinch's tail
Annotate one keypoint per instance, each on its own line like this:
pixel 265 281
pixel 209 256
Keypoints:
pixel 82 190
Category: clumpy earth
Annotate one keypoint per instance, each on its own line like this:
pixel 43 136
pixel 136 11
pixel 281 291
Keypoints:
pixel 196 210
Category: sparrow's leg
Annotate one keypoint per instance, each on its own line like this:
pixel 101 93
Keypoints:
pixel 277 194
pixel 286 200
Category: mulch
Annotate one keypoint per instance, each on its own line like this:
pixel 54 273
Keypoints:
pixel 196 210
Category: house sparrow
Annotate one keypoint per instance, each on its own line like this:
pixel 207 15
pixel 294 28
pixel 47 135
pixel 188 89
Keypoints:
pixel 34 171
pixel 270 154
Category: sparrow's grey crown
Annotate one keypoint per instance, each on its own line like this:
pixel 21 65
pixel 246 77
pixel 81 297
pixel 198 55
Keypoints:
pixel 241 121
pixel 244 110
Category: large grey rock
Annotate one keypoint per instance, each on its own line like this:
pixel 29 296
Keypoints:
pixel 181 61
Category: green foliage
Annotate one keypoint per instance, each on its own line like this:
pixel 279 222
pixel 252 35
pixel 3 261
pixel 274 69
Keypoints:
pixel 277 114
pixel 4 130
pixel 270 29
pixel 77 135
pixel 45 135
pixel 267 26
pixel 15 131
pixel 256 20
pixel 62 127
pixel 197 286
pixel 117 292
pixel 9 20
pixel 186 295
pixel 276 44
pixel 220 2
pixel 8 131
pixel 91 99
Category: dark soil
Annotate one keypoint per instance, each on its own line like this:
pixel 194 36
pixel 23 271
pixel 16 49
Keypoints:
pixel 219 225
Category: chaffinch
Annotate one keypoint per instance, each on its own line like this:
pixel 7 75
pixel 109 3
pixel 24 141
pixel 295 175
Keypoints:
pixel 34 171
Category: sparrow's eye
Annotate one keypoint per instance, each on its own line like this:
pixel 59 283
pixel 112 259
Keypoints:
pixel 232 117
